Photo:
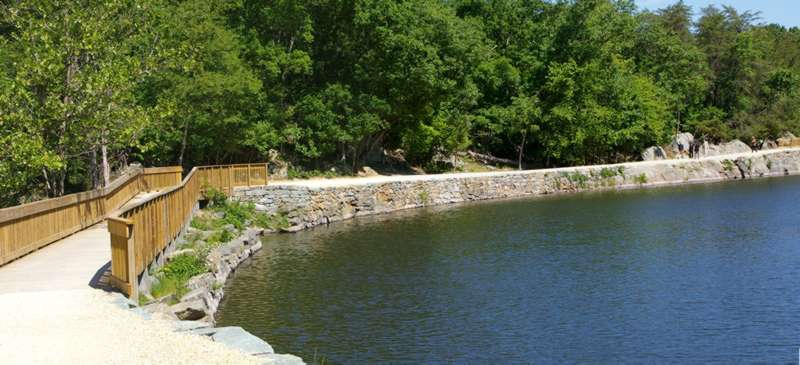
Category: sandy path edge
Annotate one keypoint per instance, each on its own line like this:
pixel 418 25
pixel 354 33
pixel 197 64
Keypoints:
pixel 84 327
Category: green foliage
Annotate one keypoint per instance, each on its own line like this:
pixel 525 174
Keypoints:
pixel 219 237
pixel 184 266
pixel 607 173
pixel 578 179
pixel 215 197
pixel 237 213
pixel 271 221
pixel 173 275
pixel 641 179
pixel 728 165
pixel 332 83
pixel 300 173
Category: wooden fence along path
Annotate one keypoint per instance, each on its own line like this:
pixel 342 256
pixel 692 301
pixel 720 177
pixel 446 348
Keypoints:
pixel 139 233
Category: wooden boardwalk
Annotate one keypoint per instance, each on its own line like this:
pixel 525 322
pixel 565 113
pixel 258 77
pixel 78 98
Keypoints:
pixel 78 261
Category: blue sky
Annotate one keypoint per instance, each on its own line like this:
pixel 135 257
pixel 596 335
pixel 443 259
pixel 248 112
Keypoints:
pixel 784 12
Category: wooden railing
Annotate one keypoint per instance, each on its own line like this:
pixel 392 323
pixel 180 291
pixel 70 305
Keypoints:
pixel 28 227
pixel 140 233
pixel 227 177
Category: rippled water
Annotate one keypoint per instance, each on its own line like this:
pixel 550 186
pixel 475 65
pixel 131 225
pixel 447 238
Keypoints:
pixel 702 273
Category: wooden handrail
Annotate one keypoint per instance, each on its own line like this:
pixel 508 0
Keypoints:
pixel 142 231
pixel 28 227
pixel 149 225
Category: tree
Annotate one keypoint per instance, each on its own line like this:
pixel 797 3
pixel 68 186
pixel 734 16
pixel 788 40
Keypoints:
pixel 71 76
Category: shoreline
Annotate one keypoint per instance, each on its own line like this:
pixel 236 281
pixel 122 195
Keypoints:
pixel 309 203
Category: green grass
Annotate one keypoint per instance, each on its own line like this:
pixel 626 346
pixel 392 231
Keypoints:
pixel 219 237
pixel 271 221
pixel 607 173
pixel 298 173
pixel 727 165
pixel 641 179
pixel 174 275
pixel 207 223
pixel 578 179
pixel 214 196
pixel 424 196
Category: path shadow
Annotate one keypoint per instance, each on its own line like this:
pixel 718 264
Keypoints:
pixel 100 279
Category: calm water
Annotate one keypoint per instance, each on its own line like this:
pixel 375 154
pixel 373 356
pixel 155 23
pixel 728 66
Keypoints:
pixel 703 273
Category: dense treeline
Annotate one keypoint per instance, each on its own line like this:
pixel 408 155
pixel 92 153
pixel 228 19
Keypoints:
pixel 88 87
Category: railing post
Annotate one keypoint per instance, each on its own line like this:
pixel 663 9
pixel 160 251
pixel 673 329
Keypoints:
pixel 248 176
pixel 123 256
pixel 230 180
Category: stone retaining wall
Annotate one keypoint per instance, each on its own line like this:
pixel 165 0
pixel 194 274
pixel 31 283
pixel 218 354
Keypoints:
pixel 313 203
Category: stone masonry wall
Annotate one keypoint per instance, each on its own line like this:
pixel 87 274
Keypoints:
pixel 316 202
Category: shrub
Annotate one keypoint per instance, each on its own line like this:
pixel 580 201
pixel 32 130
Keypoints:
pixel 267 221
pixel 219 237
pixel 184 266
pixel 173 276
pixel 607 173
pixel 237 213
pixel 215 196
pixel 578 179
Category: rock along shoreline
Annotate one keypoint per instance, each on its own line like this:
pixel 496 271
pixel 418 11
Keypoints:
pixel 195 310
pixel 311 203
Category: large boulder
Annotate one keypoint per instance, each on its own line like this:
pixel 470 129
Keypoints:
pixel 367 171
pixel 788 140
pixel 735 146
pixel 237 338
pixel 190 311
pixel 681 144
pixel 654 153
pixel 769 145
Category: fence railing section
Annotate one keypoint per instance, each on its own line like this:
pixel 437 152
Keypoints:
pixel 141 232
pixel 28 227
pixel 227 177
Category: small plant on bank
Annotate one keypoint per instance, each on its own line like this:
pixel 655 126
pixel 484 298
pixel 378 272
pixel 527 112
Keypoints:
pixel 607 173
pixel 219 237
pixel 424 197
pixel 297 173
pixel 237 213
pixel 206 223
pixel 174 275
pixel 214 196
pixel 727 165
pixel 578 179
pixel 271 221
pixel 641 179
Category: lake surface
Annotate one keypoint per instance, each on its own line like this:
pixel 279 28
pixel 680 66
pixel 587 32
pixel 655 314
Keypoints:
pixel 700 273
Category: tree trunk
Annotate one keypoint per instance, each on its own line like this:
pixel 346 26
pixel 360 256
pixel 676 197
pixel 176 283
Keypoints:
pixel 521 150
pixel 48 187
pixel 106 167
pixel 62 177
pixel 183 142
pixel 94 171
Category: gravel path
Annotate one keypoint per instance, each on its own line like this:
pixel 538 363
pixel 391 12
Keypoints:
pixel 85 327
